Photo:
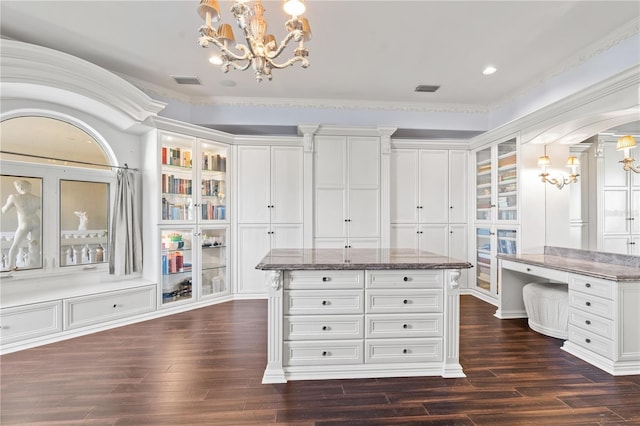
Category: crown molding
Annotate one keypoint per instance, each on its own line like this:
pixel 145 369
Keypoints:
pixel 30 71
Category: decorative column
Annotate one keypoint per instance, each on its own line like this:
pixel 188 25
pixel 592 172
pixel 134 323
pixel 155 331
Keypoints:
pixel 308 132
pixel 385 184
pixel 274 372
pixel 452 367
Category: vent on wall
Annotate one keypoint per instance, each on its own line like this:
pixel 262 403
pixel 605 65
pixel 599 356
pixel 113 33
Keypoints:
pixel 185 79
pixel 426 88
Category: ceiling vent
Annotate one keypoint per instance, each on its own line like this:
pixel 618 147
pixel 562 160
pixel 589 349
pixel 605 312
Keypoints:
pixel 426 88
pixel 185 79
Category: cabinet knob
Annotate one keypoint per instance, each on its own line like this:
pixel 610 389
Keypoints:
pixel 405 301
pixel 405 351
pixel 587 285
pixel 325 279
pixel 528 269
pixel 587 322
pixel 405 326
pixel 324 327
pixel 324 302
pixel 405 279
pixel 587 340
pixel 587 303
pixel 115 305
pixel 324 353
pixel 450 207
pixel 632 243
pixel 492 205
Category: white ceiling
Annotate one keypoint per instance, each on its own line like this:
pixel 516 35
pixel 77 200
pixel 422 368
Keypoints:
pixel 369 52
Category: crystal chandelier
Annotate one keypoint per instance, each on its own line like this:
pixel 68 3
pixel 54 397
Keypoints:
pixel 261 48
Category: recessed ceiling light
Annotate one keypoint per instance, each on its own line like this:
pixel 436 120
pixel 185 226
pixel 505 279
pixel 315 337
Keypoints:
pixel 215 60
pixel 489 70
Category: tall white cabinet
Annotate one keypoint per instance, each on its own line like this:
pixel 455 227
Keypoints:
pixel 270 209
pixel 346 191
pixel 428 201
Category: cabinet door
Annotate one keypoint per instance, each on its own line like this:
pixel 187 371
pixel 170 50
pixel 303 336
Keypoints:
pixel 484 201
pixel 286 184
pixel 405 236
pixel 253 245
pixel 434 238
pixel 484 242
pixel 330 183
pixel 213 181
pixel 177 265
pixel 253 184
pixel 287 235
pixel 458 248
pixel 213 262
pixel 458 186
pixel 434 186
pixel 330 218
pixel 364 187
pixel 176 179
pixel 404 186
pixel 364 213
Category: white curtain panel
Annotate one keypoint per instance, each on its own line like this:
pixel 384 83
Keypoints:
pixel 125 244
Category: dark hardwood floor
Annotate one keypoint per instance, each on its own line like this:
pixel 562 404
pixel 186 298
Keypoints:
pixel 205 367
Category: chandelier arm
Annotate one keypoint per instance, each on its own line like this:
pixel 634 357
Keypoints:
pixel 247 54
pixel 305 62
pixel 295 34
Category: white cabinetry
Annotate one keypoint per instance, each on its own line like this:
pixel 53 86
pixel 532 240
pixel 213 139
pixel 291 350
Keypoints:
pixel 347 191
pixel 618 205
pixel 270 204
pixel 429 201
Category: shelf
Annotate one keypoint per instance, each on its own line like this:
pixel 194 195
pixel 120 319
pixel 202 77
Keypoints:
pixel 213 266
pixel 213 246
pixel 184 271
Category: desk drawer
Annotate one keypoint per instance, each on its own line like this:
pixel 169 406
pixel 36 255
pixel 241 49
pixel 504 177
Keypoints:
pixel 591 304
pixel 591 341
pixel 397 301
pixel 408 325
pixel 321 327
pixel 404 279
pixel 592 286
pixel 592 323
pixel 537 271
pixel 29 321
pixel 87 310
pixel 323 352
pixel 317 280
pixel 403 350
pixel 321 302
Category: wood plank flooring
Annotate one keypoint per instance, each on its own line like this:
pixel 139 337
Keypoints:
pixel 205 367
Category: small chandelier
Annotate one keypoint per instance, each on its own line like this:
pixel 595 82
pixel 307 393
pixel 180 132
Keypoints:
pixel 572 162
pixel 261 49
pixel 626 143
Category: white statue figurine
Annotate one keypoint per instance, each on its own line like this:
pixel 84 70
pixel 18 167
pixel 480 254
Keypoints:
pixel 27 207
pixel 84 220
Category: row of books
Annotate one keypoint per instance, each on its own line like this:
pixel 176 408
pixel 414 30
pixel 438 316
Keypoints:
pixel 171 211
pixel 174 185
pixel 507 246
pixel 212 187
pixel 213 212
pixel 214 162
pixel 176 157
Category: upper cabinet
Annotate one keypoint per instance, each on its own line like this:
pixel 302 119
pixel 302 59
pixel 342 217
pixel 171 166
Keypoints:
pixel 347 191
pixel 497 182
pixel 185 160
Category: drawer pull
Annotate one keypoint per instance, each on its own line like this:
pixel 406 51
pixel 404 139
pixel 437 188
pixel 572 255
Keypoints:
pixel 588 322
pixel 405 351
pixel 587 340
pixel 405 326
pixel 324 302
pixel 405 279
pixel 115 306
pixel 324 353
pixel 587 285
pixel 587 303
pixel 325 279
pixel 405 301
pixel 528 269
pixel 325 328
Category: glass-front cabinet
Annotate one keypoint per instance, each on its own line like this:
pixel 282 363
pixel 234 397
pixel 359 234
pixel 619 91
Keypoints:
pixel 213 255
pixel 507 181
pixel 484 203
pixel 177 264
pixel 491 241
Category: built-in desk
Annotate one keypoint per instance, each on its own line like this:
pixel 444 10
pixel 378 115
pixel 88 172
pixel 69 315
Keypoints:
pixel 604 302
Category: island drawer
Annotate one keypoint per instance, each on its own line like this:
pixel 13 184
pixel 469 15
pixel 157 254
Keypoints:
pixel 404 279
pixel 592 286
pixel 407 325
pixel 380 301
pixel 323 352
pixel 591 304
pixel 321 302
pixel 591 341
pixel 403 350
pixel 323 327
pixel 592 323
pixel 317 280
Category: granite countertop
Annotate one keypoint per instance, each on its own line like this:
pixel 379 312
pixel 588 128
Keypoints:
pixel 372 259
pixel 589 267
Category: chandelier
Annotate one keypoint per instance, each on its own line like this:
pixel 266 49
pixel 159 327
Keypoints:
pixel 261 49
pixel 626 143
pixel 559 183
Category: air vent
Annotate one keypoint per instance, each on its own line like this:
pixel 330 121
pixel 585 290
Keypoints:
pixel 185 79
pixel 426 88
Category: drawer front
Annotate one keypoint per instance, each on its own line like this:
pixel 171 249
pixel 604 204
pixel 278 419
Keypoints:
pixel 409 325
pixel 591 341
pixel 592 323
pixel 395 301
pixel 319 327
pixel 26 322
pixel 83 311
pixel 592 286
pixel 591 304
pixel 323 352
pixel 403 350
pixel 317 280
pixel 537 271
pixel 404 279
pixel 320 302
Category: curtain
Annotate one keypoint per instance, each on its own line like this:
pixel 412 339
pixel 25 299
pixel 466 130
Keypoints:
pixel 125 244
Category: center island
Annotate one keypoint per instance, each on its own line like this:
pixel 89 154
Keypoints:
pixel 361 313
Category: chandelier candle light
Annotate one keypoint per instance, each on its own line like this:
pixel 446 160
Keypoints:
pixel 572 162
pixel 261 49
pixel 626 143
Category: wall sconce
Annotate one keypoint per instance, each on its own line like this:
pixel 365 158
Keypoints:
pixel 626 143
pixel 572 162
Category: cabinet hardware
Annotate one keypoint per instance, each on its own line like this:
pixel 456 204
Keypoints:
pixel 587 340
pixel 325 279
pixel 405 301
pixel 528 269
pixel 324 302
pixel 324 353
pixel 632 243
pixel 419 207
pixel 492 205
pixel 405 279
pixel 405 326
pixel 587 303
pixel 587 322
pixel 324 327
pixel 492 233
pixel 405 351
pixel 450 207
pixel 115 305
pixel 587 285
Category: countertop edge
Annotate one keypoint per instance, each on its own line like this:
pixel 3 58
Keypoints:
pixel 360 266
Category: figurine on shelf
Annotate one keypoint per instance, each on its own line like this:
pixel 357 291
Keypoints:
pixel 84 220
pixel 27 207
